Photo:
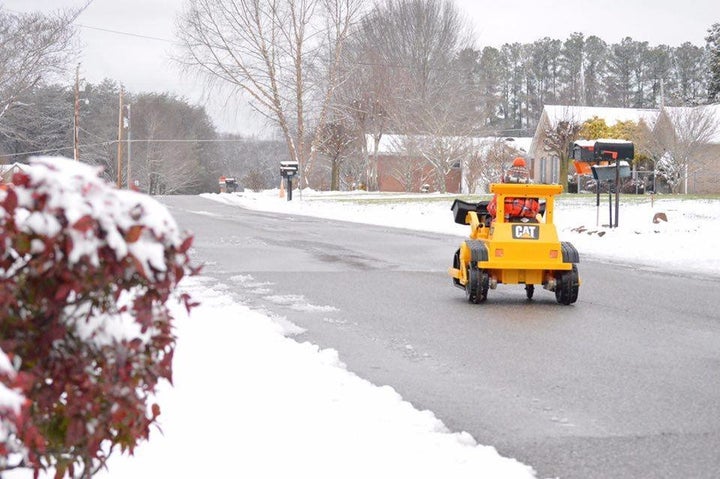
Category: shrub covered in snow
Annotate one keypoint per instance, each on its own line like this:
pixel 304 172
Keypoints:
pixel 85 334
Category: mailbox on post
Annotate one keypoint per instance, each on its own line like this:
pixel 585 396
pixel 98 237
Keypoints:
pixel 288 170
pixel 609 161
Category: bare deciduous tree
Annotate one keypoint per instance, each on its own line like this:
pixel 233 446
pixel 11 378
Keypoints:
pixel 41 122
pixel 335 143
pixel 400 64
pixel 267 50
pixel 446 142
pixel 557 141
pixel 443 154
pixel 33 47
pixel 405 167
pixel 680 142
pixel 364 100
pixel 165 159
pixel 485 164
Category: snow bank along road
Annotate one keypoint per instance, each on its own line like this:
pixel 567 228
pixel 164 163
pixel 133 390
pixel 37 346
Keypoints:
pixel 621 384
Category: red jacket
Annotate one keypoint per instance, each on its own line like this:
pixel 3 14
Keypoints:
pixel 516 207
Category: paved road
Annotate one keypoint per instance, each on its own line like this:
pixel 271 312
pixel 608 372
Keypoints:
pixel 623 384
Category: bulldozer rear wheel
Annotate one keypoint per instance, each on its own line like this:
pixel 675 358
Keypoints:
pixel 568 284
pixel 478 284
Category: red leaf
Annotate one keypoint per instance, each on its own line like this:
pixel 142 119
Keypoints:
pixel 133 233
pixel 21 179
pixel 84 224
pixel 186 244
pixel 138 266
pixel 68 246
pixel 62 292
pixel 10 202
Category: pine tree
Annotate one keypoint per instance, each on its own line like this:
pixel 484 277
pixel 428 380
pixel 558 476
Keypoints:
pixel 595 71
pixel 690 79
pixel 713 49
pixel 624 64
pixel 571 58
pixel 491 86
pixel 659 66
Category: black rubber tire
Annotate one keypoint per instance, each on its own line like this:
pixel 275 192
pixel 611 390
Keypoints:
pixel 568 285
pixel 484 285
pixel 472 285
pixel 478 284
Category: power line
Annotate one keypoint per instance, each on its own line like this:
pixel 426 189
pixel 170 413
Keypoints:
pixel 57 149
pixel 118 32
pixel 156 140
pixel 51 150
pixel 113 142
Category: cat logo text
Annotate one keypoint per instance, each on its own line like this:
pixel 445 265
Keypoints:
pixel 525 232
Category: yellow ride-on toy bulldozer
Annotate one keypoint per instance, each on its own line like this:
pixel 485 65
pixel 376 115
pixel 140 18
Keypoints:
pixel 514 250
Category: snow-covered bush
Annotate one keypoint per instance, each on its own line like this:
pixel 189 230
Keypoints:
pixel 670 170
pixel 85 333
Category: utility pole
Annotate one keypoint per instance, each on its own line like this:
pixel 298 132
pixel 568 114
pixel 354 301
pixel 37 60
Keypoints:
pixel 76 117
pixel 120 141
pixel 129 149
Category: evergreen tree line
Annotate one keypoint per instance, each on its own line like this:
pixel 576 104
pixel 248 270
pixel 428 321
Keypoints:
pixel 506 88
pixel 513 82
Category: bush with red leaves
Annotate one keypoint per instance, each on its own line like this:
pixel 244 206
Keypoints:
pixel 86 271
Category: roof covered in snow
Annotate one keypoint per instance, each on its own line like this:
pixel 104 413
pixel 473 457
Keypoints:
pixel 11 166
pixel 397 144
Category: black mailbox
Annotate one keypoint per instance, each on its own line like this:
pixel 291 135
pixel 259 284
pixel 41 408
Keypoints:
pixel 288 168
pixel 614 150
pixel 583 150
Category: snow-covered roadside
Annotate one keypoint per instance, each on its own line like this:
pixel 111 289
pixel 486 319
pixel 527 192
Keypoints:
pixel 249 401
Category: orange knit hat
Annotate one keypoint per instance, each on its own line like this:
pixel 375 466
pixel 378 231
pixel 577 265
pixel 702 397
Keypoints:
pixel 519 162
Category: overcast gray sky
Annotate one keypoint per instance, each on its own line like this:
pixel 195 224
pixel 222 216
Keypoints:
pixel 670 22
pixel 142 64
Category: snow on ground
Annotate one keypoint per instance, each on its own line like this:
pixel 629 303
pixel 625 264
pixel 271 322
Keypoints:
pixel 254 402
